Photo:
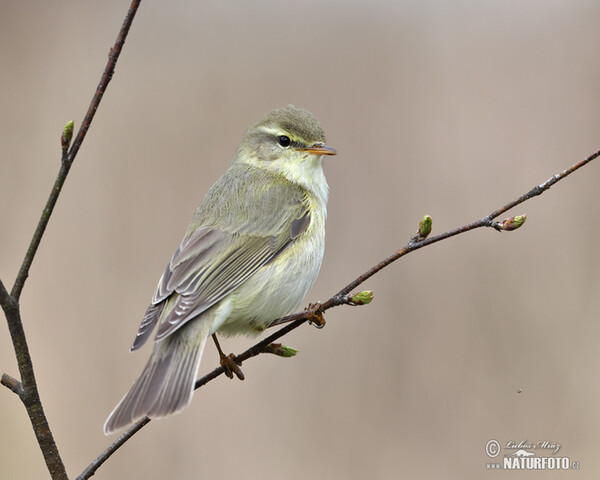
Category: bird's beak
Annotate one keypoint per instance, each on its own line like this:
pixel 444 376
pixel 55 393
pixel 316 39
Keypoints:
pixel 320 149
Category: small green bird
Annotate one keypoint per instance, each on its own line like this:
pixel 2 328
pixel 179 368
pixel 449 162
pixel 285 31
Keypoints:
pixel 250 254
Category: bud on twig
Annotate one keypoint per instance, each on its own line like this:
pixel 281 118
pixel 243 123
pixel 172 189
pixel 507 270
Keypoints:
pixel 67 135
pixel 425 226
pixel 512 223
pixel 280 350
pixel 362 298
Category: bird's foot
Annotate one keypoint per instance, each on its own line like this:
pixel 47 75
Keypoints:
pixel 230 363
pixel 314 315
pixel 231 366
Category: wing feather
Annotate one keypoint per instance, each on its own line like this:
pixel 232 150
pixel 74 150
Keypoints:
pixel 218 254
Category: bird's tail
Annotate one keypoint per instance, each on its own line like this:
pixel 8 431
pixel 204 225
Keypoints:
pixel 167 383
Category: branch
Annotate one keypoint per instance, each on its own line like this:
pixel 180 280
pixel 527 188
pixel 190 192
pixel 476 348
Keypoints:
pixel 314 312
pixel 27 388
pixel 130 432
pixel 69 157
pixel 12 384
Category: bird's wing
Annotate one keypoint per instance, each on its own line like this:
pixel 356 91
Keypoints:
pixel 213 260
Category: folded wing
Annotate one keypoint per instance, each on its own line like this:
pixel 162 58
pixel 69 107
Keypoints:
pixel 219 252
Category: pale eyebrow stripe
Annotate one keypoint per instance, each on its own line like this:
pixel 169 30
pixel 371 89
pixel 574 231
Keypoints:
pixel 272 131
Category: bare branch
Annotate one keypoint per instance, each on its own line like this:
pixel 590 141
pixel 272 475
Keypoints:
pixel 69 157
pixel 342 297
pixel 130 432
pixel 6 301
pixel 27 388
pixel 12 384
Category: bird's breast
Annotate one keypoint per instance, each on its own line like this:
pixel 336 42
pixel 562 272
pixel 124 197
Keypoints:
pixel 280 286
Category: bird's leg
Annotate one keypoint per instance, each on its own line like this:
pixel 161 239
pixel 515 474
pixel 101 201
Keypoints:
pixel 315 317
pixel 228 362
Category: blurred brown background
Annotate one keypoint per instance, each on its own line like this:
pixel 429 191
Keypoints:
pixel 442 108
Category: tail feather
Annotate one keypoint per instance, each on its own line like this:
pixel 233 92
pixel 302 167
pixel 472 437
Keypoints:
pixel 166 384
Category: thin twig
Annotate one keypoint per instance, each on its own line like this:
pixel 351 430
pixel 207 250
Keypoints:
pixel 6 300
pixel 27 388
pixel 341 298
pixel 68 158
pixel 130 432
pixel 12 384
pixel 28 392
pixel 137 426
pixel 487 221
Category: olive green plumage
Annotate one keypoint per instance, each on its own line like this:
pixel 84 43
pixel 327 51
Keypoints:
pixel 251 252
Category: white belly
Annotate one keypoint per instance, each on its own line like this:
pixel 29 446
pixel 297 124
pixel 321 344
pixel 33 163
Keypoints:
pixel 279 287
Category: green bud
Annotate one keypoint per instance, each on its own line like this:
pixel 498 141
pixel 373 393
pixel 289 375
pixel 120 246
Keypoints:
pixel 425 226
pixel 512 223
pixel 288 351
pixel 280 350
pixel 362 298
pixel 67 135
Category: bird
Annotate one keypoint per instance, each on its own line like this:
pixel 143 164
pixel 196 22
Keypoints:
pixel 252 250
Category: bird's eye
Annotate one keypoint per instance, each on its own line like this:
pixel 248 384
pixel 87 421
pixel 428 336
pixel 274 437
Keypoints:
pixel 284 141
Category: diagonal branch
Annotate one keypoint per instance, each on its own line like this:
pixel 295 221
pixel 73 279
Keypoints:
pixel 487 221
pixel 68 158
pixel 27 389
pixel 342 298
